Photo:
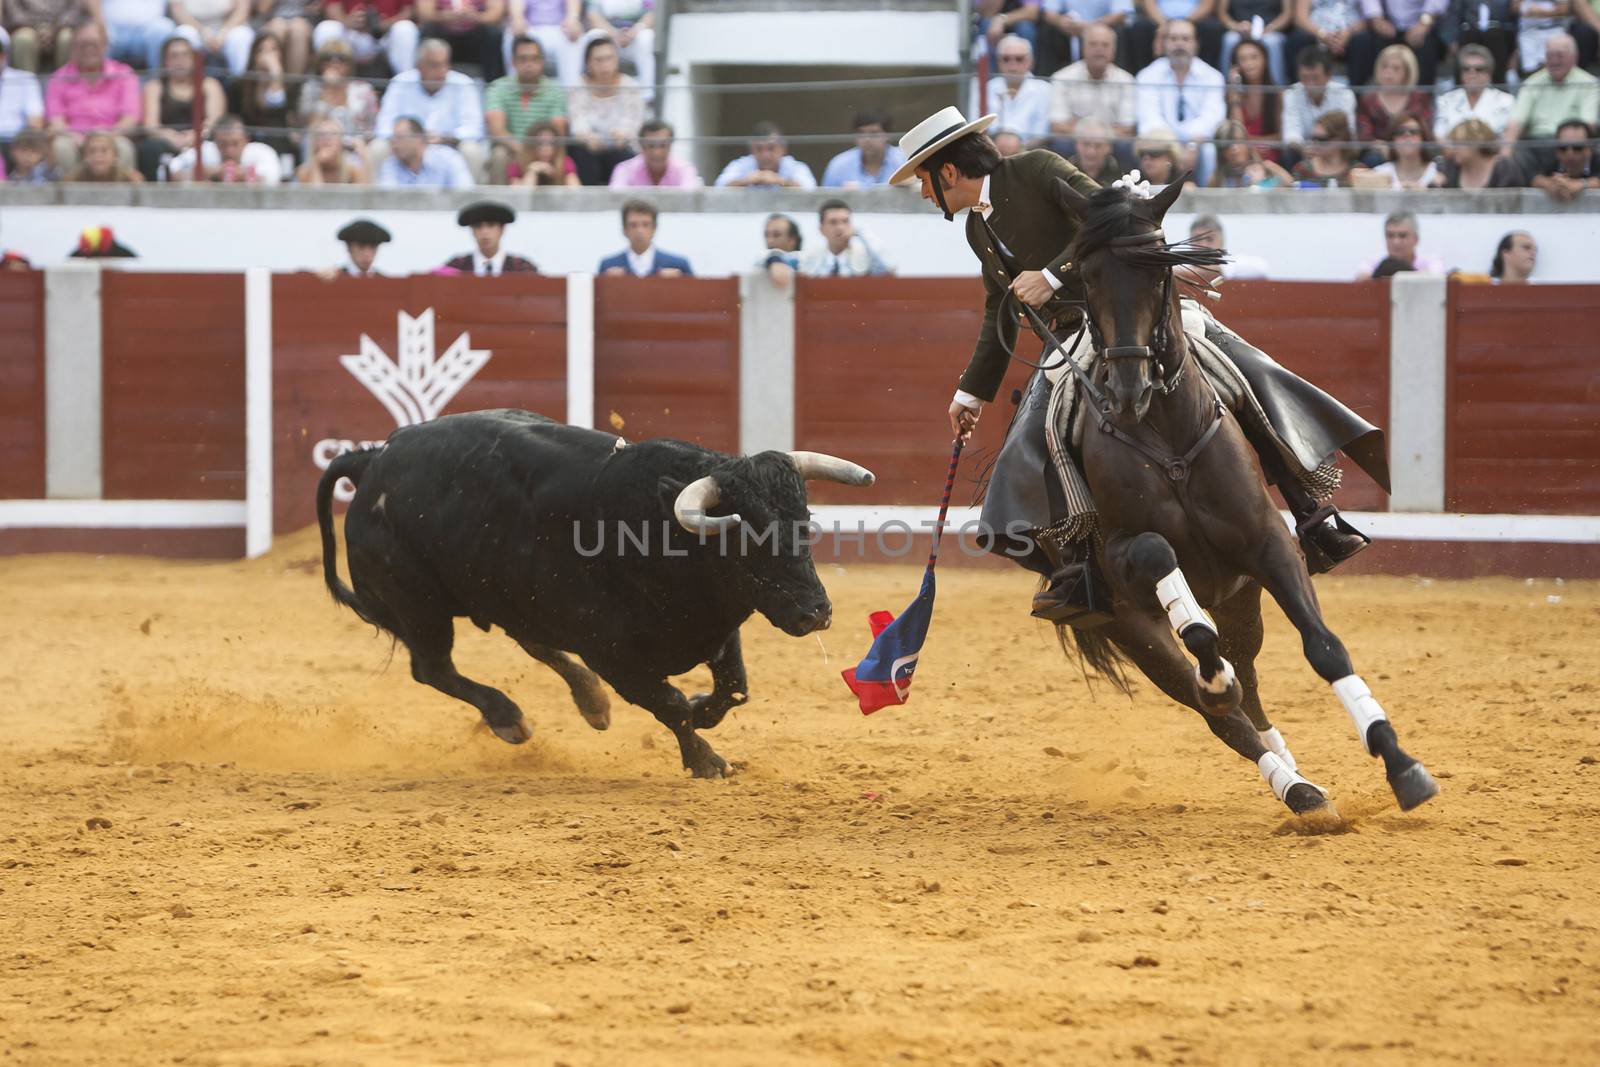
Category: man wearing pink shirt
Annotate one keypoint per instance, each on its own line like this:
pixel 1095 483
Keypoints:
pixel 91 93
pixel 655 165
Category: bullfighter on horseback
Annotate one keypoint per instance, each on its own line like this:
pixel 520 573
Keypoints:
pixel 1036 500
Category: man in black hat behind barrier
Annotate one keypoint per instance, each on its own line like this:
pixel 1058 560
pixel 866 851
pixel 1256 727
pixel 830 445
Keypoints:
pixel 489 220
pixel 361 240
pixel 1021 236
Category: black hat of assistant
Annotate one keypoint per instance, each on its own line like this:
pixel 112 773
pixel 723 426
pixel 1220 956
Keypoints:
pixel 364 232
pixel 485 211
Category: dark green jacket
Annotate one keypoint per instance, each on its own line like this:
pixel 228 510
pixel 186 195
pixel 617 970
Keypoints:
pixel 1032 224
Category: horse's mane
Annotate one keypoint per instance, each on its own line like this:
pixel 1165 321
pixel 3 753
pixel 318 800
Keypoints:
pixel 1112 213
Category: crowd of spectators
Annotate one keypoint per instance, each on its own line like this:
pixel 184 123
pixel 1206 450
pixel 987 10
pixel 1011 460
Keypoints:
pixel 453 93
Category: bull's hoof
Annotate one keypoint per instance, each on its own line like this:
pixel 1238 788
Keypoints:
pixel 514 733
pixel 1304 798
pixel 1413 787
pixel 593 704
pixel 707 764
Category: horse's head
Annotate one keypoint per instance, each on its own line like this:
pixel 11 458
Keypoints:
pixel 1125 266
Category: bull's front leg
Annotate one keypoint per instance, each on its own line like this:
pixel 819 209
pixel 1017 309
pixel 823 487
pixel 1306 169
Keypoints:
pixel 729 686
pixel 673 711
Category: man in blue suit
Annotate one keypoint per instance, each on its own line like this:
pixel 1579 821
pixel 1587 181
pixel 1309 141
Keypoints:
pixel 642 258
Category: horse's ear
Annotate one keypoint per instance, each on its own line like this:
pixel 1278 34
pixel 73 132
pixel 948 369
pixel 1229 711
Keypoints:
pixel 1162 202
pixel 1076 204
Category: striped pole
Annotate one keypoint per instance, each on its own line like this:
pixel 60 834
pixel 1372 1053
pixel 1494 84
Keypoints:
pixel 944 504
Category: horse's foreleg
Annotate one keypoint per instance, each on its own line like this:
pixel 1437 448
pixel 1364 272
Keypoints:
pixel 1239 636
pixel 1284 576
pixel 1150 566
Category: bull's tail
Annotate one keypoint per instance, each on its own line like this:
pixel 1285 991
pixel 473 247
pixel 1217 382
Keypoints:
pixel 350 465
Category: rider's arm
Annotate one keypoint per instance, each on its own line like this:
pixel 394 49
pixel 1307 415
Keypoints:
pixel 981 380
pixel 1043 181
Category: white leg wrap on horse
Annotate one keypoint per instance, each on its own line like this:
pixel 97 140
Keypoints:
pixel 1221 683
pixel 1363 707
pixel 1280 776
pixel 1183 610
pixel 1276 744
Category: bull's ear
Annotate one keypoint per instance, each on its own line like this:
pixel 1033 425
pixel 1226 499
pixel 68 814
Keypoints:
pixel 1075 203
pixel 668 489
pixel 1162 202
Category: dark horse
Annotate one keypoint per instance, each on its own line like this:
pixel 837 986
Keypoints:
pixel 1186 521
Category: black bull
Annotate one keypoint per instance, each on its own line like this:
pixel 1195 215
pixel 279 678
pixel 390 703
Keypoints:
pixel 643 559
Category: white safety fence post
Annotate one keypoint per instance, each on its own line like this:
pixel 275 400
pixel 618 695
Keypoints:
pixel 766 364
pixel 580 350
pixel 73 383
pixel 1417 369
pixel 258 411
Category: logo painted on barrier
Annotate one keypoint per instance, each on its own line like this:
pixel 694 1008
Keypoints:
pixel 414 388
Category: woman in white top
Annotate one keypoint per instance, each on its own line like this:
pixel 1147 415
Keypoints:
pixel 219 28
pixel 1409 166
pixel 604 113
pixel 1476 98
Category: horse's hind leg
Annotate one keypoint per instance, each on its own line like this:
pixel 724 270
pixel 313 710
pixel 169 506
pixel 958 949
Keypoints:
pixel 1146 640
pixel 1239 635
pixel 1284 575
pixel 1149 569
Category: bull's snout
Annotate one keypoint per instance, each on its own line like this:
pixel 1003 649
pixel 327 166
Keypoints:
pixel 810 620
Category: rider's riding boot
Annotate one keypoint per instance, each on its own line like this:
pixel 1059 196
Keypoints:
pixel 1077 594
pixel 1325 538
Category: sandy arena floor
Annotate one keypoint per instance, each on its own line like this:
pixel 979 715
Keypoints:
pixel 233 833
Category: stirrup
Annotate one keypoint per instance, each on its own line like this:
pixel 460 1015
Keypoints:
pixel 1076 597
pixel 1319 558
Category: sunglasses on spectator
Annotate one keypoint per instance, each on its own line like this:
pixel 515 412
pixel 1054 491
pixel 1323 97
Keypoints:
pixel 1408 131
pixel 1572 148
pixel 1013 58
pixel 1321 138
pixel 1144 152
pixel 1474 69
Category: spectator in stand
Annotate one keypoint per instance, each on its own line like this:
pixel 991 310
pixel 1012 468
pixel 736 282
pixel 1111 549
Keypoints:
pixel 1576 169
pixel 1329 23
pixel 1515 258
pixel 1241 165
pixel 444 101
pixel 362 239
pixel 845 252
pixel 1064 23
pixel 413 160
pixel 489 219
pixel 1159 157
pixel 871 161
pixel 137 29
pixel 1155 19
pixel 604 112
pixel 1410 164
pixel 88 94
pixel 1007 142
pixel 1472 160
pixel 1476 98
pixel 230 157
pixel 1559 92
pixel 289 21
pixel 472 29
pixel 1409 23
pixel 1253 98
pixel 1329 155
pixel 543 160
pixel 768 164
pixel 218 29
pixel 1263 21
pixel 655 164
pixel 1093 153
pixel 169 107
pixel 1313 96
pixel 1396 95
pixel 41 30
pixel 1021 100
pixel 336 94
pixel 1182 93
pixel 1537 22
pixel 30 159
pixel 997 18
pixel 1094 88
pixel 264 97
pixel 98 242
pixel 1400 235
pixel 515 104
pixel 21 102
pixel 370 28
pixel 642 258
pixel 631 26
pixel 1491 24
pixel 1206 232
pixel 1585 30
pixel 333 161
pixel 100 162
pixel 558 26
pixel 783 242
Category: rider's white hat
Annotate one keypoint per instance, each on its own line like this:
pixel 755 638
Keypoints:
pixel 932 134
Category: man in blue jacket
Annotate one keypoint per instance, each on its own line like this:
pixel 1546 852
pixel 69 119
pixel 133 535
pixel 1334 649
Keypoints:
pixel 642 258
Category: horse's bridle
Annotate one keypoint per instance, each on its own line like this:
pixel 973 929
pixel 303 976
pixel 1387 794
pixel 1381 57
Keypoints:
pixel 1161 339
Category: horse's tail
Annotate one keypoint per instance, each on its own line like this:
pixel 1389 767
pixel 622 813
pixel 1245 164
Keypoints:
pixel 1093 650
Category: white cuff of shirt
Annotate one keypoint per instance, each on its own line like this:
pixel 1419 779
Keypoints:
pixel 1055 283
pixel 967 400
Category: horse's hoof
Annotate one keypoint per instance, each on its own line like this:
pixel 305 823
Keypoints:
pixel 1303 797
pixel 1413 787
pixel 514 733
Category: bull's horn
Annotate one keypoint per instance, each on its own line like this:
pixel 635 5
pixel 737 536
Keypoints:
pixel 696 498
pixel 820 467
